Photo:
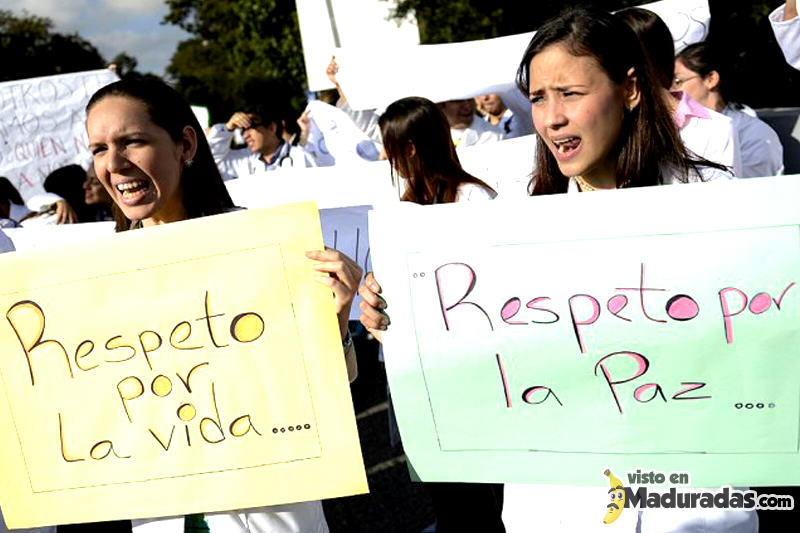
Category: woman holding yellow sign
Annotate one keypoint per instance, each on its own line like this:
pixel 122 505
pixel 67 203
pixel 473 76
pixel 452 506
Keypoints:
pixel 152 158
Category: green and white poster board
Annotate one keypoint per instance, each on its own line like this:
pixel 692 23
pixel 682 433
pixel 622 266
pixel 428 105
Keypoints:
pixel 544 339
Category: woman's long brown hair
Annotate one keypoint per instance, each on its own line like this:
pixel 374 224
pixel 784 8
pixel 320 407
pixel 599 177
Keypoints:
pixel 433 171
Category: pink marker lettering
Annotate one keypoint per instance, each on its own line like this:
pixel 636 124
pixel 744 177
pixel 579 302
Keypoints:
pixel 616 304
pixel 506 392
pixel 682 307
pixel 528 395
pixel 642 365
pixel 726 311
pixel 577 323
pixel 511 308
pixel 533 304
pixel 689 387
pixel 760 303
pixel 641 289
pixel 640 390
pixel 470 285
pixel 780 298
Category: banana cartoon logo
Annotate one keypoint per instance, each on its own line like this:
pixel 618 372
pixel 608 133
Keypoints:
pixel 617 495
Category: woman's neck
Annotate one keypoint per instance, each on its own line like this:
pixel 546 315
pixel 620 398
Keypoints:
pixel 167 214
pixel 591 183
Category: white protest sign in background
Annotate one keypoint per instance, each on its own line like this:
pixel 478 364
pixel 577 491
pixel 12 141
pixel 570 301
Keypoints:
pixel 365 184
pixel 328 24
pixel 504 165
pixel 40 237
pixel 334 139
pixel 43 125
pixel 345 229
pixel 373 77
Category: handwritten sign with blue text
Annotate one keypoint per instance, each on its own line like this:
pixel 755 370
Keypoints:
pixel 536 341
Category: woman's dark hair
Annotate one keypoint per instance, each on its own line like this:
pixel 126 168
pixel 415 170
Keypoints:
pixel 656 39
pixel 704 59
pixel 433 172
pixel 9 193
pixel 648 140
pixel 67 182
pixel 204 192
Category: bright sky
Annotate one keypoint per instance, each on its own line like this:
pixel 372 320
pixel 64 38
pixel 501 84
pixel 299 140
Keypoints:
pixel 113 26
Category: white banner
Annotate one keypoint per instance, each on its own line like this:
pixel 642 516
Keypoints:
pixel 365 184
pixel 43 125
pixel 373 77
pixel 41 237
pixel 505 165
pixel 328 24
pixel 334 139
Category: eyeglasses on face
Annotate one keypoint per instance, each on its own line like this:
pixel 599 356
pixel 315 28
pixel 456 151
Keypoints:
pixel 677 82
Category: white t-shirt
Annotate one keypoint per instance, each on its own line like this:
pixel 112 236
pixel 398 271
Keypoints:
pixel 478 132
pixel 508 125
pixel 761 149
pixel 787 33
pixel 304 517
pixel 242 162
pixel 708 134
pixel 470 192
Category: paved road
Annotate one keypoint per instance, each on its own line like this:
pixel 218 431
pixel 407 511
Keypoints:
pixel 394 503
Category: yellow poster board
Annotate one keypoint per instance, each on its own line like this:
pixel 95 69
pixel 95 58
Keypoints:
pixel 185 368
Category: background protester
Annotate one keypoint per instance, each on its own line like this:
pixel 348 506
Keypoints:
pixel 507 122
pixel 706 133
pixel 698 69
pixel 266 150
pixel 466 127
pixel 786 25
pixel 419 148
pixel 12 208
pixel 96 196
pixel 168 175
pixel 67 182
pixel 40 209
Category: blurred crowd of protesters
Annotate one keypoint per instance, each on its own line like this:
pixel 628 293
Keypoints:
pixel 261 138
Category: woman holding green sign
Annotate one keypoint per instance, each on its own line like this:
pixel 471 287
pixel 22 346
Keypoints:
pixel 152 158
pixel 601 123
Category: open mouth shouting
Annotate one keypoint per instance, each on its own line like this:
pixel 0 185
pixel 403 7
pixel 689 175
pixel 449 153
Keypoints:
pixel 566 147
pixel 134 191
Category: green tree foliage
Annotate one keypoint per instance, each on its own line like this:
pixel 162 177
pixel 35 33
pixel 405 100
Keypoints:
pixel 753 65
pixel 235 41
pixel 125 64
pixel 30 48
